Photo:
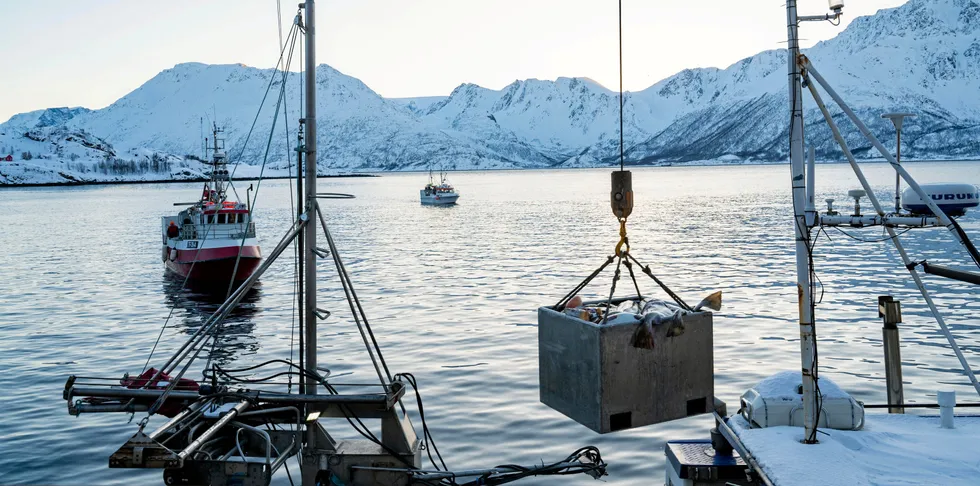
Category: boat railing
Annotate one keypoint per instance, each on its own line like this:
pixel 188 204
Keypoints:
pixel 217 231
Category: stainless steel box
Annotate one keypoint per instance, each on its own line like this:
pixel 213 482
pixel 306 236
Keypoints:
pixel 592 374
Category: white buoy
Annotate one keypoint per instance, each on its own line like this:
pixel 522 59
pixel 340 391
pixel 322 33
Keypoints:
pixel 947 400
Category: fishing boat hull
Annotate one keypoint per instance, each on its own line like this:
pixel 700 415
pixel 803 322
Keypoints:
pixel 213 264
pixel 438 199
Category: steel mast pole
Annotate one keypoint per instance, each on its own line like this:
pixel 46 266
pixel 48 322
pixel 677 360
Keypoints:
pixel 309 240
pixel 807 333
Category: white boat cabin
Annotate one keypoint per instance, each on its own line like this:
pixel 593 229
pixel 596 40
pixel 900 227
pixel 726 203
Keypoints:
pixel 209 221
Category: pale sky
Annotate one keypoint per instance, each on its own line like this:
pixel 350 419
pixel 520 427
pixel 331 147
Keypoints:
pixel 92 52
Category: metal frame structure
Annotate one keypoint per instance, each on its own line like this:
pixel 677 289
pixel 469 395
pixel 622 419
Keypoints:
pixel 219 434
pixel 802 74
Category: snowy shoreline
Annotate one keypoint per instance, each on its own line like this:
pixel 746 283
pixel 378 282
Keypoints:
pixel 115 180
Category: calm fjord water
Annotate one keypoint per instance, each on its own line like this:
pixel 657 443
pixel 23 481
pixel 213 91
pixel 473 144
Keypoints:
pixel 452 294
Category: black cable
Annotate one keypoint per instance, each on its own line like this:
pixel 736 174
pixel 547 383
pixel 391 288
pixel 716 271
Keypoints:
pixel 425 428
pixel 804 231
pixel 359 427
pixel 813 244
pixel 596 467
pixel 879 240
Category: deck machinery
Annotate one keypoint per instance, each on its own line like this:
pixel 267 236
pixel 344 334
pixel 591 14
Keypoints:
pixel 235 429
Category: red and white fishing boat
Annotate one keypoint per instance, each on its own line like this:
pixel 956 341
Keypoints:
pixel 213 240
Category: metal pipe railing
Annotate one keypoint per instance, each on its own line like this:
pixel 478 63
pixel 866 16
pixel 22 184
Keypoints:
pixel 879 220
pixel 257 431
pixel 218 230
pixel 224 420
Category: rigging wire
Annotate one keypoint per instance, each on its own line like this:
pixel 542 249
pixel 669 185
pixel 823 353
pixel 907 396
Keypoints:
pixel 207 231
pixel 272 79
pixel 298 244
pixel 622 154
pixel 209 226
pixel 353 301
pixel 258 186
pixel 285 114
pixel 200 337
pixel 280 102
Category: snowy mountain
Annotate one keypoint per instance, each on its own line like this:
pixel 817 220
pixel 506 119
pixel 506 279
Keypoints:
pixel 923 57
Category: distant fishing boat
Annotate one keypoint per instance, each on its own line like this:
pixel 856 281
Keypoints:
pixel 442 194
pixel 214 239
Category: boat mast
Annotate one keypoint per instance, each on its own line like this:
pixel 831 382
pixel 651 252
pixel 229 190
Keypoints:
pixel 803 284
pixel 216 163
pixel 309 240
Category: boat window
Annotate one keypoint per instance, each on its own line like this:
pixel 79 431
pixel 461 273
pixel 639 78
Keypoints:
pixel 221 219
pixel 210 219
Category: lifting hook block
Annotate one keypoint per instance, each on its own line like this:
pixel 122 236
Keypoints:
pixel 622 194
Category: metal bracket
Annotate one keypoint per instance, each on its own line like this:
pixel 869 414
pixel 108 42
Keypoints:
pixel 890 310
pixel 138 456
pixel 140 451
pixel 321 252
pixel 322 314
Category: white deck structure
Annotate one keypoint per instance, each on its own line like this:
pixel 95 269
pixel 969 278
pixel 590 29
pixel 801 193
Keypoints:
pixel 891 449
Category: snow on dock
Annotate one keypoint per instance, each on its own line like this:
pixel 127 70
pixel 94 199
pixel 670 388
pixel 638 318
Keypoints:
pixel 891 449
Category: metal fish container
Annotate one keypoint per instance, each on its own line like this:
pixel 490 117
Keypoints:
pixel 592 374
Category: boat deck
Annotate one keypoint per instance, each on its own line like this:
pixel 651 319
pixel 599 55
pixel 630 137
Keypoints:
pixel 891 449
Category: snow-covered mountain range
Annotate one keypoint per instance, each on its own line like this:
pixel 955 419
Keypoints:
pixel 923 57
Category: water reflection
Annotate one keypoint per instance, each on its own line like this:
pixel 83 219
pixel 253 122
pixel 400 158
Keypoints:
pixel 199 302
